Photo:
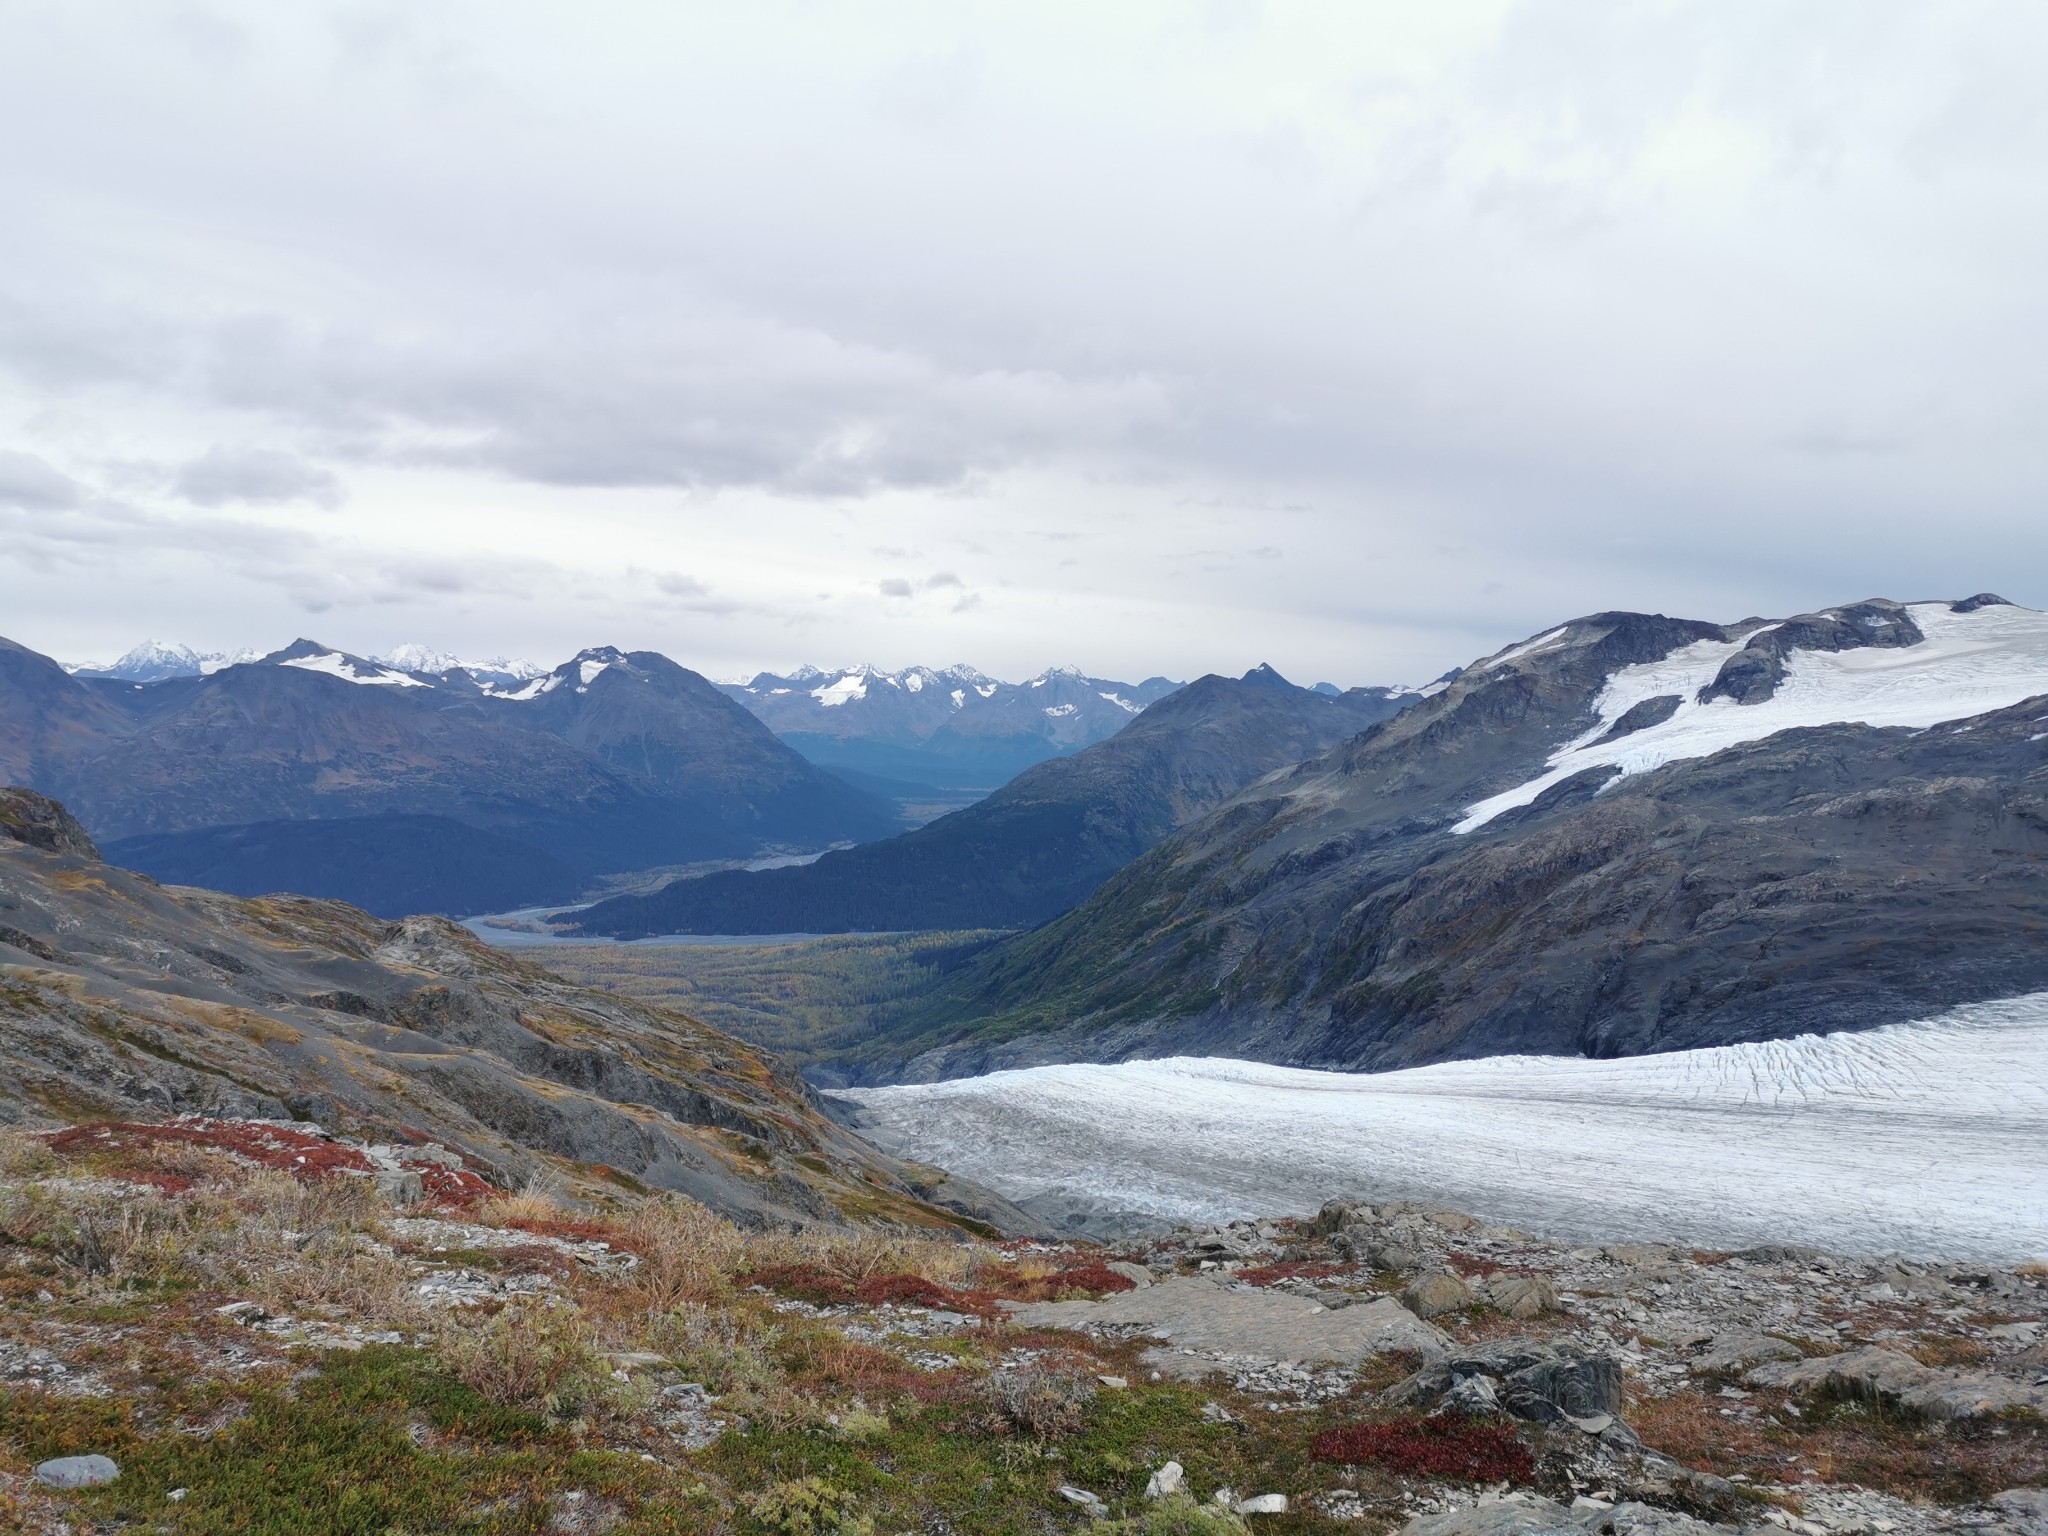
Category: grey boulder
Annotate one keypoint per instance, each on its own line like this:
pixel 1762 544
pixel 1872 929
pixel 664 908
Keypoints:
pixel 77 1472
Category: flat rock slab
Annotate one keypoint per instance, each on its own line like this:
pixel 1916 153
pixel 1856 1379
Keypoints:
pixel 1199 1314
pixel 1898 1380
pixel 1530 1515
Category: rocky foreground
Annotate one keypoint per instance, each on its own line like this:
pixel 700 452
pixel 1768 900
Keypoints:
pixel 247 1326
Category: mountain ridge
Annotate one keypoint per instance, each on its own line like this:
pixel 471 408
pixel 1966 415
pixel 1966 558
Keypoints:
pixel 1040 843
pixel 612 761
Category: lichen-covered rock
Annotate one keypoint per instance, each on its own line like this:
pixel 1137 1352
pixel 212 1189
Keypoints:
pixel 1434 1295
pixel 1521 1296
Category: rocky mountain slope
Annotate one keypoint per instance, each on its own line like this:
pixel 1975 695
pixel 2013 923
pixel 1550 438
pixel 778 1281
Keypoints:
pixel 952 727
pixel 120 997
pixel 1632 833
pixel 1039 844
pixel 611 762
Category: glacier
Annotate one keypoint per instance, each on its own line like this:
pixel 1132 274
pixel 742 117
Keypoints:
pixel 1968 664
pixel 1927 1139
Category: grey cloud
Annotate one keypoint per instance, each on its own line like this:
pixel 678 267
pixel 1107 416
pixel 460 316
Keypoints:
pixel 894 586
pixel 256 476
pixel 29 481
pixel 1592 305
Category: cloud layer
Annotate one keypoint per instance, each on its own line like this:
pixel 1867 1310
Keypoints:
pixel 1360 338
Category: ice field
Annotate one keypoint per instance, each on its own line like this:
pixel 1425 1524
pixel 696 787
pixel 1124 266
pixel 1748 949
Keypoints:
pixel 1923 1139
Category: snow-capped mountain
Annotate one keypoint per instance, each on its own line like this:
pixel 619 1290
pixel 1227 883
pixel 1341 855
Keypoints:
pixel 1629 833
pixel 948 725
pixel 154 660
pixel 424 660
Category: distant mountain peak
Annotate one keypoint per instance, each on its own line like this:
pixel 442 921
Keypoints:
pixel 154 661
pixel 1264 676
pixel 415 657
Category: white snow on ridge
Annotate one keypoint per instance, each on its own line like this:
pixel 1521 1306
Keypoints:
pixel 1927 1138
pixel 1968 664
pixel 1526 648
pixel 853 685
pixel 334 664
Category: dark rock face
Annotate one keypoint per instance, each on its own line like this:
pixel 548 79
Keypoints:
pixel 41 822
pixel 1641 717
pixel 1834 877
pixel 124 999
pixel 1753 674
pixel 1533 1379
pixel 1040 844
pixel 1981 600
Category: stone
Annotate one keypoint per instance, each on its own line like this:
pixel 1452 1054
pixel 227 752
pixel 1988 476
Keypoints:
pixel 1535 1379
pixel 1474 1395
pixel 1194 1313
pixel 1885 1378
pixel 1521 1296
pixel 1169 1480
pixel 401 1186
pixel 77 1472
pixel 2026 1509
pixel 631 1360
pixel 1090 1503
pixel 1137 1274
pixel 1734 1352
pixel 1114 1383
pixel 1576 1386
pixel 1532 1515
pixel 1434 1295
pixel 1262 1504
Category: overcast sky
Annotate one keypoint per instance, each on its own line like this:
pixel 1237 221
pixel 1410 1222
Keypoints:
pixel 1157 338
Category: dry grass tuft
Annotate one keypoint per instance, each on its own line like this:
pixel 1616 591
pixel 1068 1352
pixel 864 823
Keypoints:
pixel 24 1155
pixel 542 1359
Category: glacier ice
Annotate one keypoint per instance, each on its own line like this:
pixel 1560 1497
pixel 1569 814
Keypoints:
pixel 1923 1139
pixel 1968 664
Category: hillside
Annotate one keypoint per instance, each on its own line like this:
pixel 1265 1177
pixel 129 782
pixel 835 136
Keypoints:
pixel 121 998
pixel 611 762
pixel 1042 842
pixel 1629 834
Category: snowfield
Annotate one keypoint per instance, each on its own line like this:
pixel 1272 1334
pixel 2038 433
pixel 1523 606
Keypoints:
pixel 1969 663
pixel 1923 1139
